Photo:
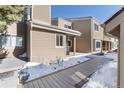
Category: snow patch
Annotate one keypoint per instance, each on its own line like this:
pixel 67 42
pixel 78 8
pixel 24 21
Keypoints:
pixel 37 70
pixel 104 78
pixel 113 56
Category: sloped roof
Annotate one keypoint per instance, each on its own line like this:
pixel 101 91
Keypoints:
pixel 115 15
pixel 42 25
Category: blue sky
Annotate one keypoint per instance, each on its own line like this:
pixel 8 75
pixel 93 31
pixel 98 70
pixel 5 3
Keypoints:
pixel 98 11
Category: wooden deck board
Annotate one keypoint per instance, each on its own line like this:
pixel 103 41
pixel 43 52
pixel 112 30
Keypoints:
pixel 53 82
pixel 66 78
pixel 35 84
pixel 62 79
pixel 30 85
pixel 46 84
pixel 40 83
pixel 58 81
pixel 64 82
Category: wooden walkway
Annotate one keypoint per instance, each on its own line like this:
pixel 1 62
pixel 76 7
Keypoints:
pixel 68 78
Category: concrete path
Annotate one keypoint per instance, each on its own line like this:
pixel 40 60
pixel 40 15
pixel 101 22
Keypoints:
pixel 9 64
pixel 67 78
pixel 8 72
pixel 9 79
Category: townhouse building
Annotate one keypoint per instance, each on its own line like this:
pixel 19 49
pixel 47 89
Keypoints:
pixel 67 25
pixel 93 38
pixel 44 40
pixel 41 41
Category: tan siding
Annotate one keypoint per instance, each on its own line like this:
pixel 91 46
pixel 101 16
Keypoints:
pixel 61 22
pixel 43 46
pixel 83 43
pixel 98 34
pixel 42 13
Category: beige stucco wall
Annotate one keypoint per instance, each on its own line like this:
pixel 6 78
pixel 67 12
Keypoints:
pixel 41 13
pixel 43 46
pixel 83 43
pixel 16 29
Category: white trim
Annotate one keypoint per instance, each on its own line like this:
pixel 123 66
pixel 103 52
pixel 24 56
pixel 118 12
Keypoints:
pixel 84 18
pixel 59 46
pixel 98 27
pixel 100 44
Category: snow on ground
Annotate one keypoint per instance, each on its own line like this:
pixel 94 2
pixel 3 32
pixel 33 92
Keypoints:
pixel 9 80
pixel 106 77
pixel 37 70
pixel 113 56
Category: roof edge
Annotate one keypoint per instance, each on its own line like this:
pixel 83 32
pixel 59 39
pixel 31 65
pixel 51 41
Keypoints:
pixel 41 24
pixel 114 15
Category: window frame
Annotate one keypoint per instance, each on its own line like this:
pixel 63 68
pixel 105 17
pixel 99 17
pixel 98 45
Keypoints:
pixel 96 27
pixel 59 46
pixel 22 45
pixel 97 41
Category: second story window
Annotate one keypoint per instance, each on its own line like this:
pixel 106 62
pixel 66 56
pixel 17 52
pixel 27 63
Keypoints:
pixel 96 27
pixel 66 26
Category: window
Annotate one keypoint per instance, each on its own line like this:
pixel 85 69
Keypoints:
pixel 96 27
pixel 59 40
pixel 98 44
pixel 66 26
pixel 16 41
pixel 19 41
pixel 5 41
pixel 69 27
pixel 11 41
